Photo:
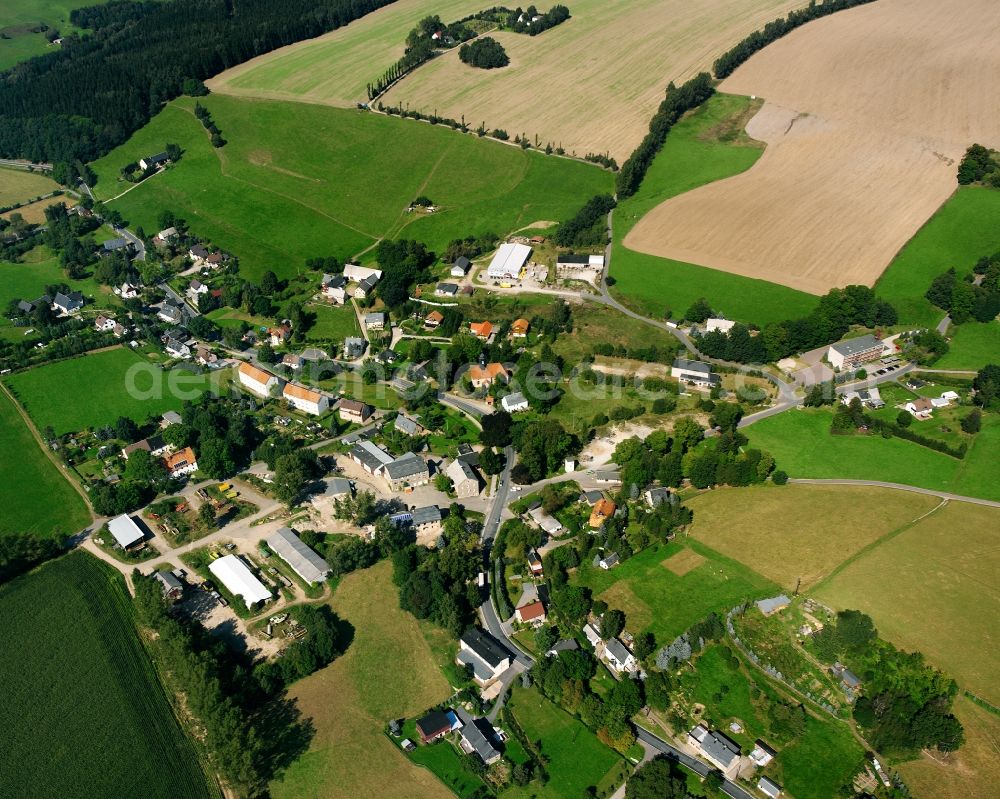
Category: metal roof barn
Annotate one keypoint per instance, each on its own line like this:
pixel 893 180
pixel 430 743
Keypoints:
pixel 306 563
pixel 125 531
pixel 508 261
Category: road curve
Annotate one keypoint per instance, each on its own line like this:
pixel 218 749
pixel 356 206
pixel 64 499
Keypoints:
pixel 898 487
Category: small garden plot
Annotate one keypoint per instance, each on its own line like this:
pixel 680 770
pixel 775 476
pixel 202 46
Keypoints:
pixel 175 520
pixel 773 640
pixel 816 753
pixel 457 429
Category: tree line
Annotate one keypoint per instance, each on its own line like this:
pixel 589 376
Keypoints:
pixel 905 704
pixel 837 311
pixel 979 165
pixel 974 297
pixel 81 101
pixel 727 63
pixel 675 104
pixel 588 226
pixel 249 730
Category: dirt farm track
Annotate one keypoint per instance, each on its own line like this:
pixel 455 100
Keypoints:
pixel 867 113
pixel 578 85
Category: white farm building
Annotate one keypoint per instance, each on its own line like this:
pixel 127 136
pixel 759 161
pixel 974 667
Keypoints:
pixel 234 574
pixel 508 262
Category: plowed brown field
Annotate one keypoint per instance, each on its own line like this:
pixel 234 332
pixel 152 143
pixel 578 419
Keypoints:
pixel 867 114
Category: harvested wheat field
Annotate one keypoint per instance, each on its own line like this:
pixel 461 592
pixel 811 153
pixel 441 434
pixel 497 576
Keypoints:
pixel 867 114
pixel 335 68
pixel 575 84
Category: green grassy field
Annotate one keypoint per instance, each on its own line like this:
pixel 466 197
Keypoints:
pixel 962 231
pixel 821 761
pixel 667 588
pixel 801 443
pixel 83 709
pixel 333 323
pixel 35 497
pixel 18 186
pixel 101 387
pixel 28 278
pixel 973 345
pixel 445 762
pixel 17 17
pixel 933 588
pixel 296 181
pixel 575 758
pixel 706 146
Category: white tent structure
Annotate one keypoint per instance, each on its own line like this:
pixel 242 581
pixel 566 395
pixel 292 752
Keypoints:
pixel 235 576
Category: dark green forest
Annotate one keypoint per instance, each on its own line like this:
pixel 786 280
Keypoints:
pixel 83 100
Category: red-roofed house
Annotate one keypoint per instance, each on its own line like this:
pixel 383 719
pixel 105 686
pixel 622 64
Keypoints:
pixel 533 613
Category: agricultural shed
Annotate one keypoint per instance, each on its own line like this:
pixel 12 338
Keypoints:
pixel 125 531
pixel 306 563
pixel 508 261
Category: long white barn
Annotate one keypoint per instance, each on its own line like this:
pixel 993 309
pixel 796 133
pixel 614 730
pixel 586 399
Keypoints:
pixel 508 261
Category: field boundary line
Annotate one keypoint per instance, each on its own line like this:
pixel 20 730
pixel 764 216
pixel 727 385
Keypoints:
pixel 61 468
pixel 875 544
pixel 990 503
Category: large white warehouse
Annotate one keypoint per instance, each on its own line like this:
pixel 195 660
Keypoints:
pixel 239 580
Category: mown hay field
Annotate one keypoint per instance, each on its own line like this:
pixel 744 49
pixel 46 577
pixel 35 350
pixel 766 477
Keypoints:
pixel 793 532
pixel 933 589
pixel 35 497
pixel 863 135
pixel 576 84
pixel 335 68
pixel 300 181
pixel 388 671
pixel 83 711
pixel 18 186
